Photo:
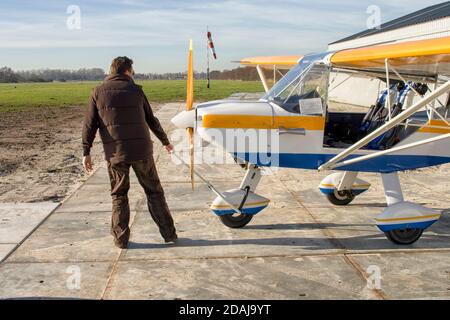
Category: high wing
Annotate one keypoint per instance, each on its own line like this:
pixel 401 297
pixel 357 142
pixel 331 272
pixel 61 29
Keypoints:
pixel 275 63
pixel 427 58
pixel 278 62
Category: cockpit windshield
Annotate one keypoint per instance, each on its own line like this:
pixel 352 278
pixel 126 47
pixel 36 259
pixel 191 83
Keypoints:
pixel 288 78
pixel 303 89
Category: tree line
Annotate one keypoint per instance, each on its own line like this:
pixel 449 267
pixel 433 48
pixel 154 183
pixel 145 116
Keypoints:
pixel 8 75
pixel 244 74
pixel 48 75
pixel 240 73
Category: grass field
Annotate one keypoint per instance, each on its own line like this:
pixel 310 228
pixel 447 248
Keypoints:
pixel 17 97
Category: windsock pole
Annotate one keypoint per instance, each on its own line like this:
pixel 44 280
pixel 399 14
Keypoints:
pixel 210 46
pixel 207 59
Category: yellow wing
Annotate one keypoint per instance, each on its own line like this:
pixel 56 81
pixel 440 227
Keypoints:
pixel 429 57
pixel 279 62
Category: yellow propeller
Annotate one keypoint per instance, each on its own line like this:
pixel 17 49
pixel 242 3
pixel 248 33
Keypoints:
pixel 189 104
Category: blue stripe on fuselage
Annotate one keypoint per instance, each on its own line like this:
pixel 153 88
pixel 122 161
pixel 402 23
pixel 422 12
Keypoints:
pixel 253 211
pixel 410 225
pixel 383 164
pixel 331 190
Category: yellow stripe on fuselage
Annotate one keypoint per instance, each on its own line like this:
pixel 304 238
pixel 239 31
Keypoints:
pixel 218 206
pixel 228 121
pixel 438 123
pixel 431 216
pixel 329 185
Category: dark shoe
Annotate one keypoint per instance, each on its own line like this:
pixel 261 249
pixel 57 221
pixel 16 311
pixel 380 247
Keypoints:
pixel 172 239
pixel 120 244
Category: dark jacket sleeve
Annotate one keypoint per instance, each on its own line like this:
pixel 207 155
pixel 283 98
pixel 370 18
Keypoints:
pixel 153 123
pixel 91 124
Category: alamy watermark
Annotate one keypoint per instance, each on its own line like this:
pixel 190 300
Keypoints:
pixel 73 282
pixel 374 277
pixel 73 21
pixel 226 146
pixel 374 19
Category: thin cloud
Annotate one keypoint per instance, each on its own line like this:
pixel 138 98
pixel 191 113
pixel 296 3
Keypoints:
pixel 240 28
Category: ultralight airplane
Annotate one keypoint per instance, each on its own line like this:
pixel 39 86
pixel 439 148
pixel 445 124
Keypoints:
pixel 407 128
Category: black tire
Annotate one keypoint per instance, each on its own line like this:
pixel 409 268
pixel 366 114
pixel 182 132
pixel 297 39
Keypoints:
pixel 341 198
pixel 404 236
pixel 236 220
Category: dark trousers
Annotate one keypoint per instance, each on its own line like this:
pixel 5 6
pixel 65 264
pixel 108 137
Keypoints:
pixel 119 175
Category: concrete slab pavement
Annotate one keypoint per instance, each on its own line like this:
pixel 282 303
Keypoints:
pixel 6 248
pixel 18 220
pixel 300 247
pixel 238 278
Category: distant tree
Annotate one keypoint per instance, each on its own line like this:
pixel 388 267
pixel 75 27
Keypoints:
pixel 7 75
pixel 45 75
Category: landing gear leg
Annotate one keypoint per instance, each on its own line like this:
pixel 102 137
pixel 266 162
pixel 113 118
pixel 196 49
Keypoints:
pixel 401 221
pixel 392 188
pixel 343 194
pixel 342 187
pixel 249 183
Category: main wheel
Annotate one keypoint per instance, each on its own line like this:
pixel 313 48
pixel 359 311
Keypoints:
pixel 341 198
pixel 404 236
pixel 236 220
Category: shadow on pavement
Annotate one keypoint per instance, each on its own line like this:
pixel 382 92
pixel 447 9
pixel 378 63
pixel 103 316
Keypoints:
pixel 366 242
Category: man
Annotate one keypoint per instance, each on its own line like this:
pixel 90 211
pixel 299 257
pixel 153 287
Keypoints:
pixel 119 109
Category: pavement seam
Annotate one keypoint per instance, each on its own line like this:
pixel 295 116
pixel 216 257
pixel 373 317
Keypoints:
pixel 111 275
pixel 364 276
pixel 325 254
pixel 47 217
pixel 114 269
pixel 329 235
pixel 323 229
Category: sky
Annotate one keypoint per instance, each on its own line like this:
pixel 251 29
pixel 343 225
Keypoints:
pixel 155 33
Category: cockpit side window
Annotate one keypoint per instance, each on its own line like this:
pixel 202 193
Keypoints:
pixel 307 94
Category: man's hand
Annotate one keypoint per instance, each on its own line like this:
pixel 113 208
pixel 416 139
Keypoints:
pixel 87 163
pixel 169 148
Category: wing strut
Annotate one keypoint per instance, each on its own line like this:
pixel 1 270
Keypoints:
pixel 334 162
pixel 262 76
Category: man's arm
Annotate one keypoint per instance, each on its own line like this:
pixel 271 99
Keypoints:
pixel 153 123
pixel 91 124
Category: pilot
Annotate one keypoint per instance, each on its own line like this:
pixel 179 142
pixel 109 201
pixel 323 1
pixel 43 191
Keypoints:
pixel 119 109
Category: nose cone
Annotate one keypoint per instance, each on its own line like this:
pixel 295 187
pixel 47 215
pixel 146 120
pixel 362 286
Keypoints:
pixel 185 119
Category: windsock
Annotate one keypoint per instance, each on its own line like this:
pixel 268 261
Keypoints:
pixel 211 45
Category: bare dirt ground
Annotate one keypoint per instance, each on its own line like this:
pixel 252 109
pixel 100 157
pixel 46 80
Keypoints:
pixel 41 153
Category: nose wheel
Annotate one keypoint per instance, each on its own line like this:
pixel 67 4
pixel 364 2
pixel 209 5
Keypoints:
pixel 236 220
